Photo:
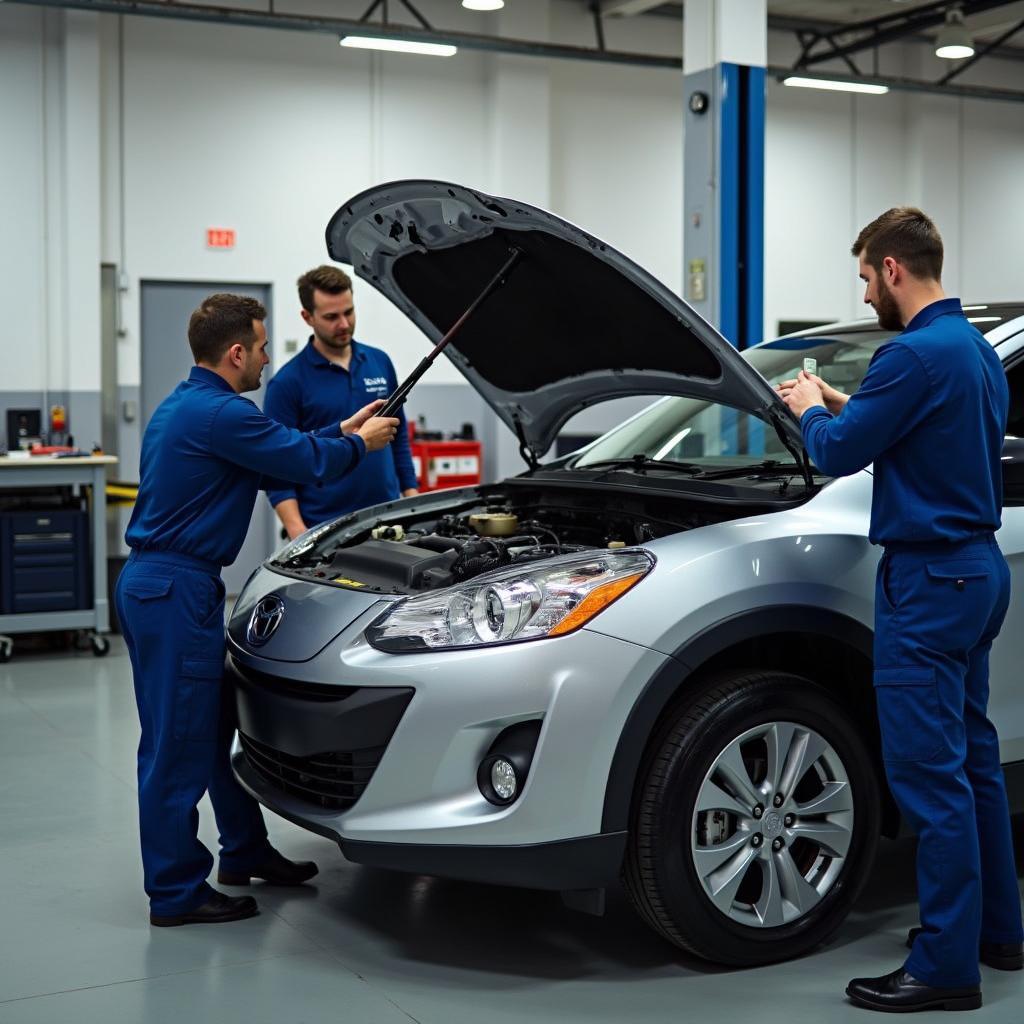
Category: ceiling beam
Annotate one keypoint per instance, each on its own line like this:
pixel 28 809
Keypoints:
pixel 338 27
pixel 874 32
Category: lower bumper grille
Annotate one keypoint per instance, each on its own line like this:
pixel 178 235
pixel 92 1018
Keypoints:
pixel 334 780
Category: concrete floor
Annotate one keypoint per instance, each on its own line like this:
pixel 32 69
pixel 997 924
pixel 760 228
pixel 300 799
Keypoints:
pixel 360 946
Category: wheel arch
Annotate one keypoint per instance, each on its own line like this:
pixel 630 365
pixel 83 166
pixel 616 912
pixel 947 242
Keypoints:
pixel 791 638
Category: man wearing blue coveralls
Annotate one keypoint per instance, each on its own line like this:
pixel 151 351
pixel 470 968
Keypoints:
pixel 930 415
pixel 332 377
pixel 206 453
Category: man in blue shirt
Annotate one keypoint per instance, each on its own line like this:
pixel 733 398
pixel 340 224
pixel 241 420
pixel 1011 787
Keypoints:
pixel 930 416
pixel 330 379
pixel 206 453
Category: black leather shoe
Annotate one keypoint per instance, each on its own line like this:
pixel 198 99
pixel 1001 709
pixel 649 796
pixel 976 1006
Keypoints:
pixel 1003 956
pixel 275 870
pixel 901 992
pixel 216 910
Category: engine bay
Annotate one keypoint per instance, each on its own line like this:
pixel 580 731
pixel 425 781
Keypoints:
pixel 410 553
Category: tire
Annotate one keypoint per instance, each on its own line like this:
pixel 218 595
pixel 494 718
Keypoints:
pixel 100 646
pixel 687 810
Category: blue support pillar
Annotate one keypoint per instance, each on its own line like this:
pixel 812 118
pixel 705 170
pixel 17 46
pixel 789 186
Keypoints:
pixel 723 238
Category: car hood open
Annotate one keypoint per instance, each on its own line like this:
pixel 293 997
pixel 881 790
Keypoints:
pixel 575 322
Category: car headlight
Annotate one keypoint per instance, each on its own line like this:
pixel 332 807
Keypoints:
pixel 517 603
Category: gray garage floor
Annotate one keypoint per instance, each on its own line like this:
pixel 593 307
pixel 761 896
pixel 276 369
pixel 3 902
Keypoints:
pixel 361 947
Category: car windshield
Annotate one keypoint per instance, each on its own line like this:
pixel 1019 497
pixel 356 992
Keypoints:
pixel 699 432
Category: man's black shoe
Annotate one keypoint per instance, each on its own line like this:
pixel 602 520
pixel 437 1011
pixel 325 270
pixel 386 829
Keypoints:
pixel 276 870
pixel 1003 956
pixel 216 910
pixel 901 992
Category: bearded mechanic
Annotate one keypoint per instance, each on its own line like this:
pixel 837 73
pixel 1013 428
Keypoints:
pixel 930 415
pixel 205 455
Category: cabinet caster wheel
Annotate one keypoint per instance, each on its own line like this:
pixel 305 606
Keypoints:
pixel 100 646
pixel 6 649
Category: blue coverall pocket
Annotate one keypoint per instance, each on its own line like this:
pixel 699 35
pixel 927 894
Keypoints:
pixel 197 703
pixel 148 588
pixel 959 572
pixel 908 713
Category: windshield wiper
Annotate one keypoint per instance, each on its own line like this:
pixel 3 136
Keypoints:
pixel 640 463
pixel 768 466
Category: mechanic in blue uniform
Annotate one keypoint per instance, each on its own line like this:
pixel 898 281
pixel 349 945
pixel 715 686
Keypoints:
pixel 204 457
pixel 930 415
pixel 330 379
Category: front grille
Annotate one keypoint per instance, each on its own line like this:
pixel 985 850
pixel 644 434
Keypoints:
pixel 326 692
pixel 334 780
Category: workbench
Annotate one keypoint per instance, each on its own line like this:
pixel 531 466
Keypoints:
pixel 83 471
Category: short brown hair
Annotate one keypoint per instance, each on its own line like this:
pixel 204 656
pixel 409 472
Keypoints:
pixel 907 235
pixel 322 279
pixel 223 320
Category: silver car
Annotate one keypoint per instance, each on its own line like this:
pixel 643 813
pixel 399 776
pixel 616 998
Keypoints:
pixel 649 660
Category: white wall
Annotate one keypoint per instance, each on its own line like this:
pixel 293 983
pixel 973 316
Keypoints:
pixel 268 132
pixel 22 188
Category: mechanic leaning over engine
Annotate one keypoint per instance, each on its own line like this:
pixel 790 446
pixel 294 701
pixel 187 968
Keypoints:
pixel 931 414
pixel 205 455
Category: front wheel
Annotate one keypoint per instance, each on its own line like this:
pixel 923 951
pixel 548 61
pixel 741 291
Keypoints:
pixel 757 820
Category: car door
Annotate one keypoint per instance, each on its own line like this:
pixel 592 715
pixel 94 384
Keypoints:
pixel 1006 703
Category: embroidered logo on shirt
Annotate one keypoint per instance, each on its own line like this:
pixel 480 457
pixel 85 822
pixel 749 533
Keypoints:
pixel 375 382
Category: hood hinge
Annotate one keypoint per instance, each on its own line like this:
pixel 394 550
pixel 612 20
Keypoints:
pixel 528 454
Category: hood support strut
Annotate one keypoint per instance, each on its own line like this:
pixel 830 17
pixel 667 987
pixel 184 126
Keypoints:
pixel 401 393
pixel 799 454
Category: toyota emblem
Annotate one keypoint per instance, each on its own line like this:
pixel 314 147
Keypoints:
pixel 265 619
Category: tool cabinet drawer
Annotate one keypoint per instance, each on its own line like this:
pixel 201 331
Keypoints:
pixel 44 561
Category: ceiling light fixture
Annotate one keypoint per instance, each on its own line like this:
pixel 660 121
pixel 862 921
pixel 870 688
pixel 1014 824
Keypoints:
pixel 835 86
pixel 483 5
pixel 954 41
pixel 399 46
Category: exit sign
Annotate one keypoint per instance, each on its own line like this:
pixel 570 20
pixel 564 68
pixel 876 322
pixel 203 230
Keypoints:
pixel 220 238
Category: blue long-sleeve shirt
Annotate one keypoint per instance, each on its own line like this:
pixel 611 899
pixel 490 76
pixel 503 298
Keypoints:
pixel 206 454
pixel 311 391
pixel 931 415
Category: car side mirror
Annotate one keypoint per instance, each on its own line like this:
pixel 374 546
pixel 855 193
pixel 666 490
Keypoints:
pixel 1013 471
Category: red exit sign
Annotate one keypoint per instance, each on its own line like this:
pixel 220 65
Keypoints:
pixel 220 238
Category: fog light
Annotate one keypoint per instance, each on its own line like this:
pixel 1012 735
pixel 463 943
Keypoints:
pixel 503 779
pixel 502 774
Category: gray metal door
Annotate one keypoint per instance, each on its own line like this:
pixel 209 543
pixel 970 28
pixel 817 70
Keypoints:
pixel 167 359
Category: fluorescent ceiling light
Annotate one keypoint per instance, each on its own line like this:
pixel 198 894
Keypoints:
pixel 836 86
pixel 483 5
pixel 966 308
pixel 984 319
pixel 399 46
pixel 954 41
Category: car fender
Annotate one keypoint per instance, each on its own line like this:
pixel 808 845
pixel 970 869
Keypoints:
pixel 662 687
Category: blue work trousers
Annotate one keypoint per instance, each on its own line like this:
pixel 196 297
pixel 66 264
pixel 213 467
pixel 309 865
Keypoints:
pixel 938 607
pixel 171 609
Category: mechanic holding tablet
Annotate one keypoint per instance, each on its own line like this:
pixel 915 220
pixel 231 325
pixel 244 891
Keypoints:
pixel 930 415
pixel 206 453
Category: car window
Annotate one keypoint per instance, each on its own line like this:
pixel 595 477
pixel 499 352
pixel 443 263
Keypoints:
pixel 690 430
pixel 1015 380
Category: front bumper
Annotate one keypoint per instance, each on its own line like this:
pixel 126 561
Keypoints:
pixel 590 862
pixel 432 718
